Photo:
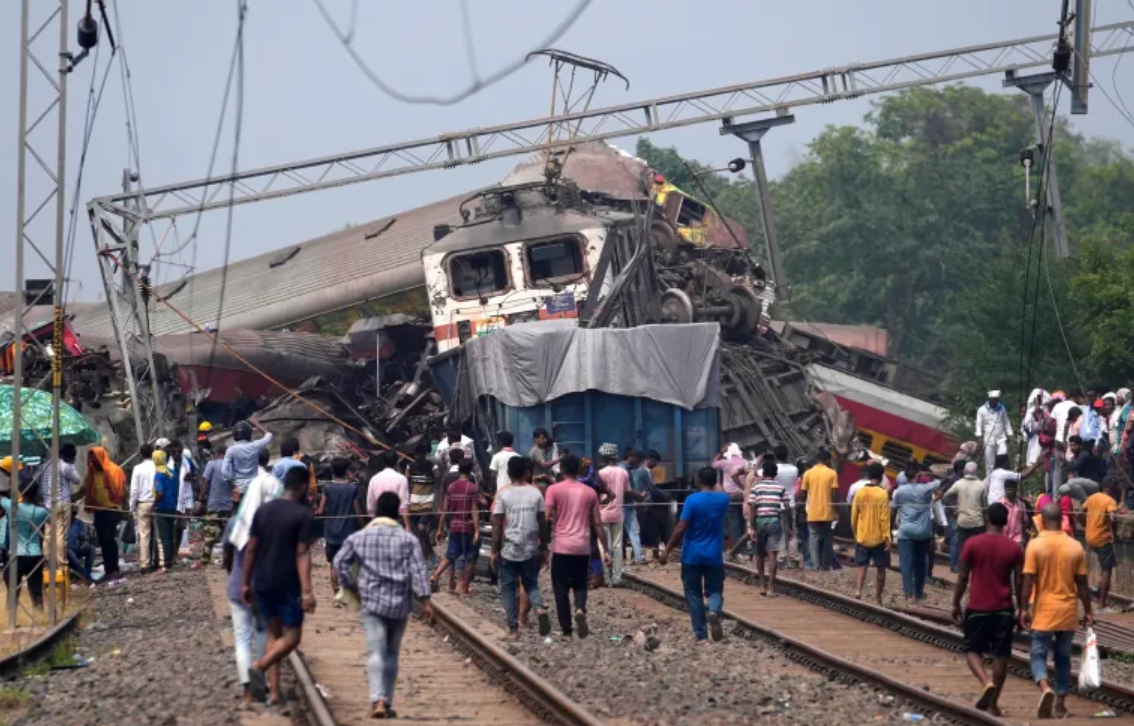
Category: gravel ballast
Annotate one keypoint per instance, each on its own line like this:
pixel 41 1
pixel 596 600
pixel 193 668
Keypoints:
pixel 156 658
pixel 682 683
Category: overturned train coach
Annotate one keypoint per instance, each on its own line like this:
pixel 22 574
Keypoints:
pixel 544 251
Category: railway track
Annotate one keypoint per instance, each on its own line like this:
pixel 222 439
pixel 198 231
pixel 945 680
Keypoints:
pixel 1115 631
pixel 450 672
pixel 917 660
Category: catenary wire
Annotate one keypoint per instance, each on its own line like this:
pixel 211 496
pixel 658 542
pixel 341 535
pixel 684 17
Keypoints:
pixel 242 12
pixel 478 84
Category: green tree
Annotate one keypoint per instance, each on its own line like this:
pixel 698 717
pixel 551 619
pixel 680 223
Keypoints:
pixel 917 222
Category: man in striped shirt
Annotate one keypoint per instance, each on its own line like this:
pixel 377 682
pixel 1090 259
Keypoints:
pixel 764 505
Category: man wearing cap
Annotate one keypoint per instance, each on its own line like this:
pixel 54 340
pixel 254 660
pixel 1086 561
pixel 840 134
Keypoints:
pixel 993 429
pixel 1094 424
pixel 241 461
pixel 614 488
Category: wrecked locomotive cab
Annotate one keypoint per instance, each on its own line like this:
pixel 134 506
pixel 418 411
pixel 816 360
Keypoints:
pixel 525 253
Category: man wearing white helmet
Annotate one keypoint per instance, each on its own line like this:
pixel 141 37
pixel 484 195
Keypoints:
pixel 993 429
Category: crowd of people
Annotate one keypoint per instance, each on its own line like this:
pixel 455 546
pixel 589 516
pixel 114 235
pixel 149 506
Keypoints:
pixel 395 526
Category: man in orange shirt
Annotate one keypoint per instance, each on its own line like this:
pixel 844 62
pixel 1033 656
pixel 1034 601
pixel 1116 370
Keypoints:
pixel 1055 571
pixel 1098 523
pixel 820 484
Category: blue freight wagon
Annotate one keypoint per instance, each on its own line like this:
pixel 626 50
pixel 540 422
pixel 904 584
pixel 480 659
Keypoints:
pixel 582 422
pixel 649 387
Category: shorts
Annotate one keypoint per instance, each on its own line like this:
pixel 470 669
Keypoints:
pixel 332 550
pixel 989 633
pixel 877 555
pixel 287 607
pixel 461 547
pixel 769 536
pixel 1107 559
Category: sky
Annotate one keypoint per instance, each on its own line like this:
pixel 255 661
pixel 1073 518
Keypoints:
pixel 304 97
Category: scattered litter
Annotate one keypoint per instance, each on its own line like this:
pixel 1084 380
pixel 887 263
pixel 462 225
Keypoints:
pixel 885 699
pixel 445 639
pixel 616 639
pixel 913 717
pixel 116 652
pixel 547 639
pixel 129 601
pixel 77 661
pixel 323 691
pixel 116 583
pixel 1105 713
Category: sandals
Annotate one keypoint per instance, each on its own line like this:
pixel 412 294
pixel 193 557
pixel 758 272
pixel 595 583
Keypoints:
pixel 987 698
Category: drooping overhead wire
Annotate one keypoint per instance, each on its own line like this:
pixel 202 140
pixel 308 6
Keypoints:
pixel 346 38
pixel 242 13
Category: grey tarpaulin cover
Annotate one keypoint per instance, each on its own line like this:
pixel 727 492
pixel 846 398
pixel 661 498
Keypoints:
pixel 531 363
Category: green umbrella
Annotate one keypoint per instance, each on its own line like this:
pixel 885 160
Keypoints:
pixel 35 423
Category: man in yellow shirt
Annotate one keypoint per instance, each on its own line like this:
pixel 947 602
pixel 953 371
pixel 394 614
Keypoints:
pixel 1098 524
pixel 1055 571
pixel 870 520
pixel 819 486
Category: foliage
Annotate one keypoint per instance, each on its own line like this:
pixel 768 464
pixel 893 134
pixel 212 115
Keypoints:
pixel 917 222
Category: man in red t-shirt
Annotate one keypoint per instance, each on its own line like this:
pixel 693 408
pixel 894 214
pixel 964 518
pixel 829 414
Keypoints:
pixel 995 565
pixel 462 515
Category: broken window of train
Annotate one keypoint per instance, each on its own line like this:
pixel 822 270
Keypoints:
pixel 478 274
pixel 559 259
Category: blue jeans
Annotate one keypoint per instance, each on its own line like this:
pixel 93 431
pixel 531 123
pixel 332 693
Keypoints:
pixel 700 581
pixel 822 546
pixel 511 573
pixel 383 644
pixel 633 532
pixel 81 561
pixel 954 550
pixel 1041 643
pixel 912 555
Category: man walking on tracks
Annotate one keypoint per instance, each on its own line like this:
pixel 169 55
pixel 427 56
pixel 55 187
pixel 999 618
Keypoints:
pixel 391 570
pixel 764 505
pixel 702 559
pixel 277 576
pixel 870 521
pixel 994 563
pixel 519 545
pixel 573 509
pixel 1055 570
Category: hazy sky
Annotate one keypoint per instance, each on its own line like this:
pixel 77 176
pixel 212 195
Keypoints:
pixel 304 97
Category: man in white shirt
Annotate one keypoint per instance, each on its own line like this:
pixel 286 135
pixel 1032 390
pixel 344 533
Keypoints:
pixel 389 480
pixel 142 505
pixel 1002 474
pixel 993 429
pixel 499 464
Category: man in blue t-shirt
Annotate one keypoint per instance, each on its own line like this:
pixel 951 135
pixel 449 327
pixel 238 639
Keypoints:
pixel 702 559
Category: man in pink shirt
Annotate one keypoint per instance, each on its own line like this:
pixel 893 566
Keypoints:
pixel 614 486
pixel 573 509
pixel 1018 524
pixel 389 480
pixel 731 463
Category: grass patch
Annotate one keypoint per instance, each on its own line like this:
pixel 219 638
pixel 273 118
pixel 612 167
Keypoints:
pixel 13 697
pixel 61 655
pixel 1120 657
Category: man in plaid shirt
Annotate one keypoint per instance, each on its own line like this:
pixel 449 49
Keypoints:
pixel 391 569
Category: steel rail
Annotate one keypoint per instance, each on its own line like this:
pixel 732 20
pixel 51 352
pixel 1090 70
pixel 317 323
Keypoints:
pixel 820 660
pixel 547 702
pixel 1116 696
pixel 318 713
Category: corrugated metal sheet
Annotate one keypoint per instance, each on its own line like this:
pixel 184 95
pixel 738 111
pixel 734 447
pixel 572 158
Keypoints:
pixel 327 273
